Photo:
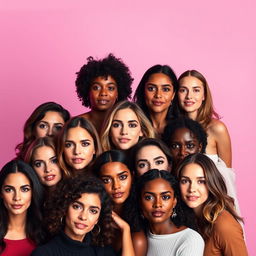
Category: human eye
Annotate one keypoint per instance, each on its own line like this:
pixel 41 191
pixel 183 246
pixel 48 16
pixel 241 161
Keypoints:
pixel 150 88
pixel 182 90
pixel 8 189
pixel 123 177
pixel 159 162
pixel 95 87
pixel 142 165
pixel 54 160
pixel 68 144
pixel 38 164
pixel 106 180
pixel 190 145
pixel 85 143
pixel 94 211
pixel 184 181
pixel 174 146
pixel 111 88
pixel 76 206
pixel 197 90
pixel 166 197
pixel 42 126
pixel 25 189
pixel 148 197
pixel 58 127
pixel 201 181
pixel 166 89
pixel 132 125
pixel 115 124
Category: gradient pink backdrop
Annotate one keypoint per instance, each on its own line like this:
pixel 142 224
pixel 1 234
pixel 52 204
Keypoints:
pixel 43 44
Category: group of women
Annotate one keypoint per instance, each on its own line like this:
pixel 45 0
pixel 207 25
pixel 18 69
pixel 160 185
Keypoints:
pixel 150 176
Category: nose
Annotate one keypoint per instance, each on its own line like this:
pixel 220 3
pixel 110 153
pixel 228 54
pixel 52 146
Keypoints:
pixel 47 168
pixel 83 215
pixel 50 131
pixel 158 93
pixel 16 196
pixel 157 202
pixel 124 130
pixel 192 187
pixel 77 150
pixel 116 184
pixel 103 91
pixel 183 151
pixel 189 94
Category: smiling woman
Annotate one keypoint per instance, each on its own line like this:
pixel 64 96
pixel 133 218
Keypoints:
pixel 20 209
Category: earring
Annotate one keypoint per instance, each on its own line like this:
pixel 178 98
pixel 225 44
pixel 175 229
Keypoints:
pixel 174 214
pixel 96 233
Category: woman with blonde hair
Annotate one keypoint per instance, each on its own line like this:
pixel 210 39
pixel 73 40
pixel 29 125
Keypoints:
pixel 195 101
pixel 78 145
pixel 124 125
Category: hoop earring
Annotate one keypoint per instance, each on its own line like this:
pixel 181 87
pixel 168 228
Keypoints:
pixel 96 233
pixel 174 214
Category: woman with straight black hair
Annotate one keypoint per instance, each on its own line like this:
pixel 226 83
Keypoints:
pixel 20 209
pixel 155 94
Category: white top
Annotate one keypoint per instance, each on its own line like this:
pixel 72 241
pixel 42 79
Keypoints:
pixel 183 243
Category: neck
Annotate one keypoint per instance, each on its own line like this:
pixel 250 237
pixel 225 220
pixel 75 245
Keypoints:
pixel 16 227
pixel 96 117
pixel 118 209
pixel 158 120
pixel 192 115
pixel 162 228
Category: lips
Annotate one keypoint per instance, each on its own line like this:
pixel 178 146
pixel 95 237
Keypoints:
pixel 49 177
pixel 189 103
pixel 17 206
pixel 124 140
pixel 118 195
pixel 80 226
pixel 77 160
pixel 157 214
pixel 157 103
pixel 192 198
pixel 103 102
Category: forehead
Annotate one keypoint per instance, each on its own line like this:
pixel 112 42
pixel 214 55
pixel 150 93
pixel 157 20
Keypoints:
pixel 159 78
pixel 16 179
pixel 183 134
pixel 113 168
pixel 192 171
pixel 78 133
pixel 150 151
pixel 90 199
pixel 43 151
pixel 191 81
pixel 158 186
pixel 104 80
pixel 52 117
pixel 126 115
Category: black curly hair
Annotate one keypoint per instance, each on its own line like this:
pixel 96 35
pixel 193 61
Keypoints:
pixel 185 122
pixel 109 66
pixel 185 216
pixel 69 190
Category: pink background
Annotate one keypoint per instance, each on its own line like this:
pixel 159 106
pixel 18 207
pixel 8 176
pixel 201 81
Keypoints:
pixel 44 44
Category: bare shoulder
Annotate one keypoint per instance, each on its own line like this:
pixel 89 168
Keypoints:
pixel 140 243
pixel 217 127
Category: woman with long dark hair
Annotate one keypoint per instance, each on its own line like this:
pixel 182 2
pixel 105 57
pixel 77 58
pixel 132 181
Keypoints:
pixel 20 209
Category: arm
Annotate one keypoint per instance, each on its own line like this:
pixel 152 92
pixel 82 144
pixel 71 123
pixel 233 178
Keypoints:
pixel 223 142
pixel 140 243
pixel 127 246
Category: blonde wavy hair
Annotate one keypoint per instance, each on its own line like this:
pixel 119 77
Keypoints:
pixel 146 126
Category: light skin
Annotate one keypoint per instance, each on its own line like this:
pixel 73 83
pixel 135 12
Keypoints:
pixel 157 204
pixel 159 93
pixel 44 162
pixel 183 143
pixel 193 187
pixel 82 216
pixel 103 95
pixel 16 193
pixel 50 125
pixel 79 148
pixel 191 96
pixel 117 181
pixel 125 129
pixel 150 157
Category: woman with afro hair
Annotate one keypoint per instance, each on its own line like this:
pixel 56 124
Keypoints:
pixel 100 84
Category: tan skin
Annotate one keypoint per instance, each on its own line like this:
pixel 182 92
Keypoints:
pixel 103 95
pixel 191 96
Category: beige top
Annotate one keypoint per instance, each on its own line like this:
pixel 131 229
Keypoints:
pixel 227 238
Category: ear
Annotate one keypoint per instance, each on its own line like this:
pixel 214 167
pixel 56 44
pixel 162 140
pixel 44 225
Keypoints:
pixel 173 96
pixel 175 202
pixel 141 134
pixel 200 147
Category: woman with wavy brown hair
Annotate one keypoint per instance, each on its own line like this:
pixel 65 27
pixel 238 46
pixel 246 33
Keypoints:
pixel 79 216
pixel 203 189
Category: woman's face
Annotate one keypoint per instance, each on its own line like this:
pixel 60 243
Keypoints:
pixel 103 93
pixel 157 201
pixel 82 216
pixel 193 187
pixel 50 125
pixel 191 95
pixel 45 164
pixel 117 181
pixel 125 129
pixel 183 143
pixel 150 157
pixel 159 93
pixel 16 193
pixel 79 148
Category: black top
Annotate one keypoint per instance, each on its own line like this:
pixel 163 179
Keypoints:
pixel 64 246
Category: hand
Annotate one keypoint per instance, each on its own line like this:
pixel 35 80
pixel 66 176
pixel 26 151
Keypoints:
pixel 120 222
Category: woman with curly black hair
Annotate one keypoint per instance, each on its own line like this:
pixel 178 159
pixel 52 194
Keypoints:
pixel 113 169
pixel 21 198
pixel 164 216
pixel 102 83
pixel 155 94
pixel 79 216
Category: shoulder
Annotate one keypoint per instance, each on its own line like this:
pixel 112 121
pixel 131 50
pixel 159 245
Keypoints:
pixel 192 236
pixel 216 126
pixel 105 251
pixel 47 249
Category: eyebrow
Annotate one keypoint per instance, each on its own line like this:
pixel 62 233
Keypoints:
pixel 91 206
pixel 158 157
pixel 162 193
pixel 110 83
pixel 80 140
pixel 10 186
pixel 120 173
pixel 129 121
pixel 45 122
pixel 203 177
pixel 161 84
